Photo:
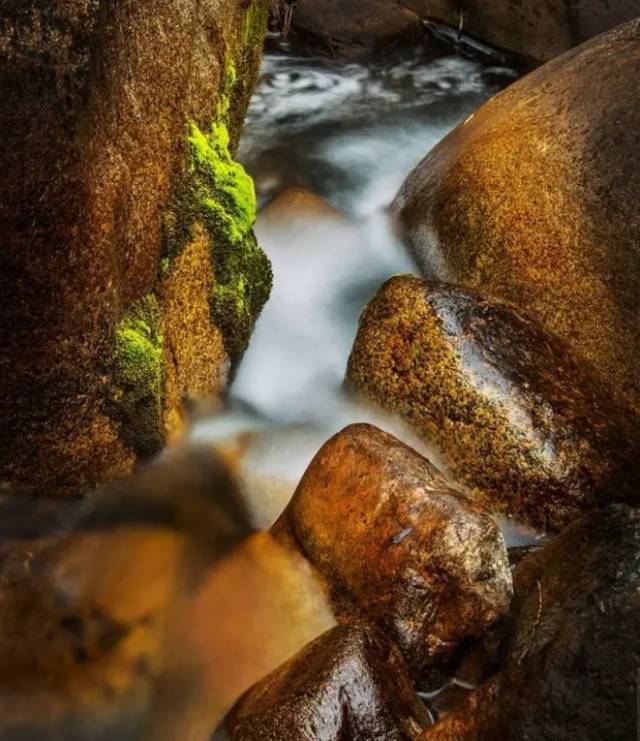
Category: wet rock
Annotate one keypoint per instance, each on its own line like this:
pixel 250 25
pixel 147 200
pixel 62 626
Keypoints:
pixel 352 28
pixel 532 30
pixel 98 212
pixel 85 616
pixel 539 209
pixel 515 418
pixel 351 683
pixel 398 545
pixel 567 668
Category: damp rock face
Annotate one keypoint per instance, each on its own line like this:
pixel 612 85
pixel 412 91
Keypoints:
pixel 568 665
pixel 349 684
pixel 86 614
pixel 534 31
pixel 354 28
pixel 515 418
pixel 126 223
pixel 537 209
pixel 396 544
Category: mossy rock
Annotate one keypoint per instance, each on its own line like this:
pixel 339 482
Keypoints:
pixel 83 208
pixel 516 419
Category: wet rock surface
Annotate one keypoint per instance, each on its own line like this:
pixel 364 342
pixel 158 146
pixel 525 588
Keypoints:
pixel 83 346
pixel 516 419
pixel 353 28
pixel 535 31
pixel 567 666
pixel 349 684
pixel 538 209
pixel 396 544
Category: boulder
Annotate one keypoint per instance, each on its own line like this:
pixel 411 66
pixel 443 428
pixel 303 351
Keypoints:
pixel 515 418
pixel 538 209
pixel 129 274
pixel 533 31
pixel 568 665
pixel 350 684
pixel 353 28
pixel 86 614
pixel 397 545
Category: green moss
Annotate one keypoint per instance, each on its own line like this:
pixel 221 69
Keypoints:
pixel 138 376
pixel 219 195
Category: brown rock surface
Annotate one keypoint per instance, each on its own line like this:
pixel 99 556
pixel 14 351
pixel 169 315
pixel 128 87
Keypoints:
pixel 396 544
pixel 532 30
pixel 350 684
pixel 567 667
pixel 514 416
pixel 532 200
pixel 95 113
pixel 352 27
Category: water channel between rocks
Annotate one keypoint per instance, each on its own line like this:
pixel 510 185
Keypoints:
pixel 349 133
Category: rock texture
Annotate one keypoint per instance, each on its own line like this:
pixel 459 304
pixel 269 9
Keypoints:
pixel 398 545
pixel 85 615
pixel 568 665
pixel 123 216
pixel 352 28
pixel 532 30
pixel 514 417
pixel 532 200
pixel 348 685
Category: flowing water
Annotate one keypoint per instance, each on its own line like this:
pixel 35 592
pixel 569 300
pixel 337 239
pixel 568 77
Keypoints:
pixel 349 133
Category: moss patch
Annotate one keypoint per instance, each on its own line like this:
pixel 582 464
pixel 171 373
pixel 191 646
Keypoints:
pixel 138 376
pixel 219 195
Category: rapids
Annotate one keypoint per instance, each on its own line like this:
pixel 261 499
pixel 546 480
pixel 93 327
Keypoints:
pixel 349 133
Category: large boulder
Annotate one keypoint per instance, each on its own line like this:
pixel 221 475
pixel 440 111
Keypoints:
pixel 350 684
pixel 539 209
pixel 531 30
pixel 397 545
pixel 568 665
pixel 129 274
pixel 352 27
pixel 514 417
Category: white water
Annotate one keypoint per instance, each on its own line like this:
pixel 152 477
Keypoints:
pixel 350 134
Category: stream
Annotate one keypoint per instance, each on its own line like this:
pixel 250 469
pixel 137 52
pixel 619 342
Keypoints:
pixel 347 133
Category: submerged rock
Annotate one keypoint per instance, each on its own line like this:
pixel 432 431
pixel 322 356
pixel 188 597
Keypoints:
pixel 515 418
pixel 397 545
pixel 531 30
pixel 353 27
pixel 122 218
pixel 539 209
pixel 350 684
pixel 568 665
